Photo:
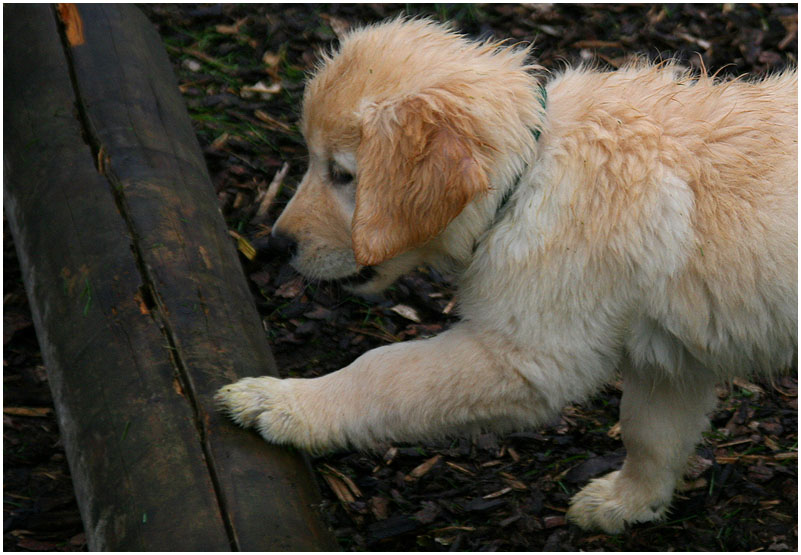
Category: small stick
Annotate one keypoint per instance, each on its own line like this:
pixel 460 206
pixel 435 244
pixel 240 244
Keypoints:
pixel 266 197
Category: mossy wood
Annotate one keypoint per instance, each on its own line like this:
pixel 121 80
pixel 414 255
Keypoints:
pixel 138 298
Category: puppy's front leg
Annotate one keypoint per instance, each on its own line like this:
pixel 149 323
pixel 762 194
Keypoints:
pixel 405 391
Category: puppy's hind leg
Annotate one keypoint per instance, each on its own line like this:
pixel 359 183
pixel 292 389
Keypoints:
pixel 661 420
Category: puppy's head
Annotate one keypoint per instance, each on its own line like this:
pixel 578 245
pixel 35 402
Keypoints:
pixel 406 124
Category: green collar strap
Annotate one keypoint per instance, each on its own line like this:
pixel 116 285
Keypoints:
pixel 543 102
pixel 536 132
pixel 543 98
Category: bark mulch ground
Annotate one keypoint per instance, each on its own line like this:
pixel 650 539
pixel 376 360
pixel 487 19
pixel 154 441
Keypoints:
pixel 241 70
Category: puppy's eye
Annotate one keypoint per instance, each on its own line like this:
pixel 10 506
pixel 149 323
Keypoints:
pixel 338 174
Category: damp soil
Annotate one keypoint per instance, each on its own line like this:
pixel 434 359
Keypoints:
pixel 241 71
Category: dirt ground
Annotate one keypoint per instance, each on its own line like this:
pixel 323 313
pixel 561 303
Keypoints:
pixel 241 70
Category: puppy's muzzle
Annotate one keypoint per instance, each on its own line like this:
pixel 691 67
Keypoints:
pixel 282 245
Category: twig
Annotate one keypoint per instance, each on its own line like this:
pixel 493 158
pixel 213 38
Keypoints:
pixel 342 476
pixel 266 197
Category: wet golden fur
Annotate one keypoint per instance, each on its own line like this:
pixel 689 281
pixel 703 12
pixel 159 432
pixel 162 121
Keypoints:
pixel 650 228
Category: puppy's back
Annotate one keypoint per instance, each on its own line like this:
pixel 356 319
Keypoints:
pixel 664 151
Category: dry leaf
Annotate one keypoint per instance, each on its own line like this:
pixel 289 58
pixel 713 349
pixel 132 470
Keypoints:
pixel 244 246
pixel 264 199
pixel 554 521
pixel 513 482
pixel 230 29
pixel 422 470
pixel 192 65
pixel 290 289
pixel 748 386
pixel 379 506
pixel 220 141
pixel 696 466
pixel 240 199
pixel 692 485
pixel 790 23
pixel 454 529
pixel 597 44
pixel 498 493
pixel 461 469
pixel 261 88
pixel 390 455
pixel 271 59
pixel 271 122
pixel 407 312
pixel 36 412
pixel 771 443
pixel 340 489
pixel 449 307
pixel 705 44
pixel 351 485
pixel 338 25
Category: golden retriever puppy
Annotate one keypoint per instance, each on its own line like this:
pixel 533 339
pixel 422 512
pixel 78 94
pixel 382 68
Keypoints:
pixel 641 221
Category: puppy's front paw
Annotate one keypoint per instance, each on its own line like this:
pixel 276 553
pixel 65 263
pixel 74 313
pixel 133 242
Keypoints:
pixel 609 503
pixel 267 404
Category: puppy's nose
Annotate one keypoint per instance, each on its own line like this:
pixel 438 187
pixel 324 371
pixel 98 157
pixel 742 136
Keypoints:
pixel 282 244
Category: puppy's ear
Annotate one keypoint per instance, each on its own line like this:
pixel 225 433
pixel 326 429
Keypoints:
pixel 420 162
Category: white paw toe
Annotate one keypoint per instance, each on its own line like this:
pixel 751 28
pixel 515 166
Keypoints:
pixel 607 504
pixel 246 399
pixel 263 403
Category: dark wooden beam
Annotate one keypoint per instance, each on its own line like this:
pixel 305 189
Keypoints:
pixel 138 298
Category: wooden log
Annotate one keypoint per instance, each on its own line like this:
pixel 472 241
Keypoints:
pixel 138 298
